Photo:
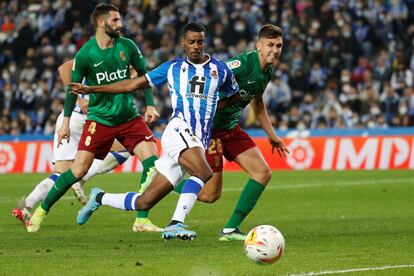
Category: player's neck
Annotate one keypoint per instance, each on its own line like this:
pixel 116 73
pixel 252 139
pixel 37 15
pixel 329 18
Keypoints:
pixel 104 41
pixel 263 64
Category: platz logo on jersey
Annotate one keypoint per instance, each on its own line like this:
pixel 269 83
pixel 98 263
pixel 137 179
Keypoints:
pixel 107 77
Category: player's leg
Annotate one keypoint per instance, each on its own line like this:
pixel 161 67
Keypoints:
pixel 187 150
pixel 146 151
pixel 253 162
pixel 39 193
pixel 63 157
pixel 117 156
pixel 96 140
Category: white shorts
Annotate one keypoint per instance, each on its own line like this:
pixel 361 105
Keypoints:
pixel 67 151
pixel 176 137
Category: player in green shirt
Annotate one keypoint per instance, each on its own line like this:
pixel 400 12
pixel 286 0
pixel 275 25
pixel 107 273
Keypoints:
pixel 104 59
pixel 252 70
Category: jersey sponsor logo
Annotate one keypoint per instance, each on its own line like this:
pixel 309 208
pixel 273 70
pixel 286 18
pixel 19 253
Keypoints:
pixel 107 77
pixel 234 64
pixel 197 85
pixel 250 82
pixel 97 64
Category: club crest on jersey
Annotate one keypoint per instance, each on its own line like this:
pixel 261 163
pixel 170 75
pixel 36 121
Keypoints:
pixel 234 64
pixel 122 55
pixel 214 74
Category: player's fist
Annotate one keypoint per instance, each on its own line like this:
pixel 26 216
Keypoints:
pixel 151 114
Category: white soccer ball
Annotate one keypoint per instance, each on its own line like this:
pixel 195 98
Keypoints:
pixel 264 244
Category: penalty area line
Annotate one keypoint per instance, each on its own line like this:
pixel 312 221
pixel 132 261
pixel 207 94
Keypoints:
pixel 353 270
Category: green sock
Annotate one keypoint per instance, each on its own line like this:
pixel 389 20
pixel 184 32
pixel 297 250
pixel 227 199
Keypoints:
pixel 147 164
pixel 62 184
pixel 180 186
pixel 247 200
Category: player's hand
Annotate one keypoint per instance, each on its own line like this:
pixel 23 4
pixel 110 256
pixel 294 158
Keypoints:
pixel 79 88
pixel 279 145
pixel 151 114
pixel 83 104
pixel 63 133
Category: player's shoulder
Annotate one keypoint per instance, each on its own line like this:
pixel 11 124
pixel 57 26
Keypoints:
pixel 220 64
pixel 241 60
pixel 87 47
pixel 126 41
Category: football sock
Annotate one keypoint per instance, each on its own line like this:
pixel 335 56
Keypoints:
pixel 180 186
pixel 247 200
pixel 187 198
pixel 62 184
pixel 119 201
pixel 41 190
pixel 147 164
pixel 112 160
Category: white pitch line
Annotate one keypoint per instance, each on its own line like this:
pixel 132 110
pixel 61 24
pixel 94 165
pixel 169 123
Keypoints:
pixel 277 187
pixel 353 270
pixel 315 185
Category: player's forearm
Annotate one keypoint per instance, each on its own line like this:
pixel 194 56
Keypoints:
pixel 264 121
pixel 149 97
pixel 124 86
pixel 260 111
pixel 225 102
pixel 70 102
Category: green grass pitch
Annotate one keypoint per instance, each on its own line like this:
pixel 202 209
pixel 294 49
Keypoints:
pixel 332 221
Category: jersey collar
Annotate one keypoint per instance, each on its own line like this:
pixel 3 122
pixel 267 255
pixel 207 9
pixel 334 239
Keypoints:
pixel 200 64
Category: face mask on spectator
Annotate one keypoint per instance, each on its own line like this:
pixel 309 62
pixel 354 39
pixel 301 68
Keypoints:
pixel 375 110
pixel 402 110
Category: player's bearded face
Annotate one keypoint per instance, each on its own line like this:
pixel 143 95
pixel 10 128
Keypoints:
pixel 270 49
pixel 113 24
pixel 112 32
pixel 193 44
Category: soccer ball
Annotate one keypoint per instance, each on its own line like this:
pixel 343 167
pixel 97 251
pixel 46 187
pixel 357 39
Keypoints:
pixel 264 244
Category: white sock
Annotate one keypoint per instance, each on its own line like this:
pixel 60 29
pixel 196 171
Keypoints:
pixel 112 160
pixel 41 190
pixel 120 201
pixel 187 198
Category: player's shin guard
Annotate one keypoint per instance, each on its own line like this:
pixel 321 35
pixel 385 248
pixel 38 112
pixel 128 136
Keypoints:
pixel 120 201
pixel 187 198
pixel 147 164
pixel 41 190
pixel 62 184
pixel 247 200
pixel 112 160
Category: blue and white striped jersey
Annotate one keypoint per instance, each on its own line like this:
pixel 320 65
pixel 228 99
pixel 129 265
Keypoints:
pixel 194 90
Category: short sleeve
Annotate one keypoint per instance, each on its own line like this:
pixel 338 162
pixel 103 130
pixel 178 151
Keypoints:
pixel 158 76
pixel 230 85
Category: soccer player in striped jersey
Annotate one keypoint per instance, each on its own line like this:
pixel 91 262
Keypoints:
pixel 194 84
pixel 252 70
pixel 104 59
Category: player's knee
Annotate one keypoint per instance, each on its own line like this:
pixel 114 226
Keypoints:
pixel 208 198
pixel 262 177
pixel 79 172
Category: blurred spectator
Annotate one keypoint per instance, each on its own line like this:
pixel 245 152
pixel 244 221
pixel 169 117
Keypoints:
pixel 344 63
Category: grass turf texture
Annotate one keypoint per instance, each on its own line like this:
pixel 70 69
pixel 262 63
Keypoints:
pixel 330 220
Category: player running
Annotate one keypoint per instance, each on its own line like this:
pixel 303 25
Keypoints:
pixel 252 70
pixel 64 154
pixel 104 59
pixel 194 85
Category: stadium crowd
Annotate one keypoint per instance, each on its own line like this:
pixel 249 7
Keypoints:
pixel 345 64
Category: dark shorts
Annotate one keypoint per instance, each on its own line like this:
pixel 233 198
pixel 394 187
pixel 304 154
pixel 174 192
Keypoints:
pixel 229 143
pixel 98 138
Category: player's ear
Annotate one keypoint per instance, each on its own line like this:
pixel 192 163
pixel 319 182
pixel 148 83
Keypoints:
pixel 258 46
